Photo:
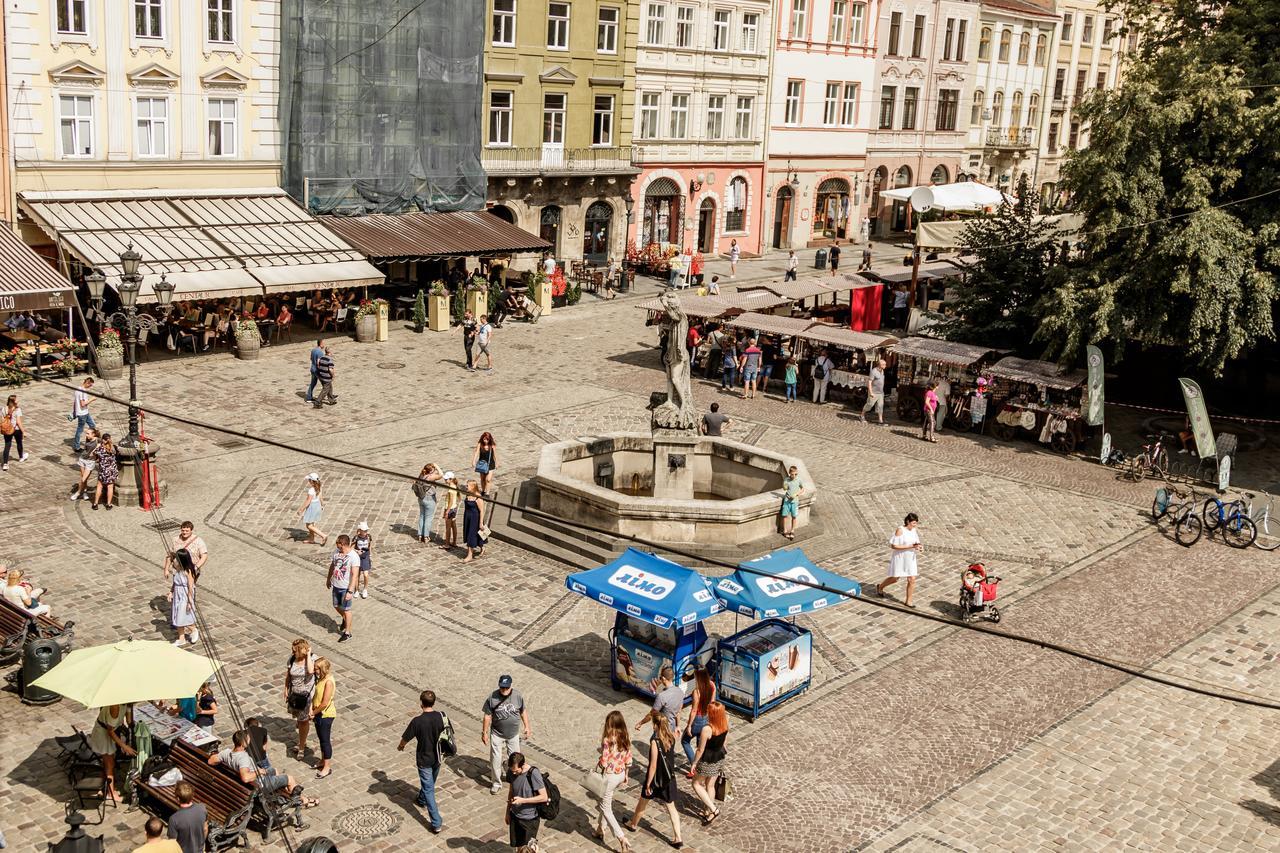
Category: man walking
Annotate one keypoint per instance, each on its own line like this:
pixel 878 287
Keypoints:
pixel 713 422
pixel 484 340
pixel 866 258
pixel 317 352
pixel 325 371
pixel 342 581
pixel 528 790
pixel 469 337
pixel 835 257
pixel 504 714
pixel 821 374
pixel 190 823
pixel 875 392
pixel 668 698
pixel 793 264
pixel 426 729
pixel 156 842
pixel 80 412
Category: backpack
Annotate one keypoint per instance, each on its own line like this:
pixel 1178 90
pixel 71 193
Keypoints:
pixel 446 745
pixel 6 424
pixel 551 808
pixel 819 372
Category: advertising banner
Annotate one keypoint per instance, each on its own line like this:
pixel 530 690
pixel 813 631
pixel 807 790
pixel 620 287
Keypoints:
pixel 1094 415
pixel 637 665
pixel 1199 415
pixel 787 668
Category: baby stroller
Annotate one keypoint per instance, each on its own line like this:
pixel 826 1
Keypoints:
pixel 978 594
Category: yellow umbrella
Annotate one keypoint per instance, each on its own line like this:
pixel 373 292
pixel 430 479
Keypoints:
pixel 128 671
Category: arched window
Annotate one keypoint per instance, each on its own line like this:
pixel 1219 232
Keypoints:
pixel 902 178
pixel 1042 48
pixel 831 210
pixel 979 104
pixel 1015 110
pixel 549 227
pixel 1006 42
pixel 939 175
pixel 503 212
pixel 735 205
pixel 984 44
pixel 1033 111
pixel 997 109
pixel 595 237
pixel 1024 48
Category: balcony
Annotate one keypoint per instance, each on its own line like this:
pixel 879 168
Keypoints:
pixel 555 160
pixel 1058 104
pixel 1010 137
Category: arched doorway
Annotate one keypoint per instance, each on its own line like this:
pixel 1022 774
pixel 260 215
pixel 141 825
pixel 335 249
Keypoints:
pixel 901 178
pixel 782 218
pixel 595 234
pixel 549 228
pixel 661 220
pixel 831 210
pixel 939 175
pixel 707 226
pixel 504 213
pixel 878 181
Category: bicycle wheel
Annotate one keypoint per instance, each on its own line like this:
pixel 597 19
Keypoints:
pixel 1209 513
pixel 1239 530
pixel 1137 468
pixel 1268 530
pixel 1160 503
pixel 1188 529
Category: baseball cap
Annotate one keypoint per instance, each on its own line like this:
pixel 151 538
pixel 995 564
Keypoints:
pixel 504 682
pixel 364 525
pixel 449 475
pixel 313 476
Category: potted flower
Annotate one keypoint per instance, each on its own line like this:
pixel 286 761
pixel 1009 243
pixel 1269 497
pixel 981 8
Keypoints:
pixel 367 320
pixel 248 338
pixel 559 288
pixel 419 312
pixel 110 355
pixel 477 296
pixel 438 307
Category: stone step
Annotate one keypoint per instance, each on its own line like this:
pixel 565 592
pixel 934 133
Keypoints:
pixel 511 527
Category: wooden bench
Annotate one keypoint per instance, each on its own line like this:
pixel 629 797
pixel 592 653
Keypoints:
pixel 15 626
pixel 38 627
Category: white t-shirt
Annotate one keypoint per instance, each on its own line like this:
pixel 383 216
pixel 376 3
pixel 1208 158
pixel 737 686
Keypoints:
pixel 345 567
pixel 549 266
pixel 81 404
pixel 482 336
pixel 15 414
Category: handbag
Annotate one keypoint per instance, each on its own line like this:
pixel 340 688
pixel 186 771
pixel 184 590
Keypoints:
pixel 484 532
pixel 593 781
pixel 724 788
pixel 482 466
pixel 298 701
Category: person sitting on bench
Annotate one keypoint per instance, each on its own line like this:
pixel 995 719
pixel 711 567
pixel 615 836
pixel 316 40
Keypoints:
pixel 238 760
pixel 22 595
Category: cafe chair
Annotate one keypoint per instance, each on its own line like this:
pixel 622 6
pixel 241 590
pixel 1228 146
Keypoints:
pixel 284 329
pixel 341 319
pixel 143 334
pixel 93 793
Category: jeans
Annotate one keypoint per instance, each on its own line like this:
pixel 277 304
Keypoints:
pixel 688 741
pixel 10 439
pixel 672 277
pixel 790 275
pixel 611 783
pixel 324 731
pixel 496 759
pixel 82 421
pixel 426 515
pixel 791 390
pixel 427 796
pixel 470 360
pixel 729 378
pixel 713 358
pixel 315 380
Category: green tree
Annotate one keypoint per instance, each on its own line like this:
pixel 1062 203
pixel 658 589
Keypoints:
pixel 996 304
pixel 1175 248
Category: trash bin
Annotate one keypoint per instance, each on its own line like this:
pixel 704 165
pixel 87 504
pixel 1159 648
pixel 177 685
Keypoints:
pixel 820 259
pixel 38 657
pixel 317 845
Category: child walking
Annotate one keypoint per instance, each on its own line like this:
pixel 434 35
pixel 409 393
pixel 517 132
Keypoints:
pixel 362 542
pixel 790 378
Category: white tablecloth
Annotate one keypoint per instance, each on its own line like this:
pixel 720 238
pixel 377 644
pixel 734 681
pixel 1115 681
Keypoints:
pixel 166 728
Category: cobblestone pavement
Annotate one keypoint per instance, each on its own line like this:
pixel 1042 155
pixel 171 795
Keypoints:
pixel 915 735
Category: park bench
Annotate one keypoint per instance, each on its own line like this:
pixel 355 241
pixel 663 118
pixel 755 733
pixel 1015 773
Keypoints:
pixel 17 624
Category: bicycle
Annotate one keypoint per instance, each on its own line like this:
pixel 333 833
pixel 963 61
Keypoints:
pixel 1153 460
pixel 1231 517
pixel 1268 528
pixel 1187 526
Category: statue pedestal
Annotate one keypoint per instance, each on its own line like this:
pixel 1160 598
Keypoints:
pixel 128 485
pixel 673 464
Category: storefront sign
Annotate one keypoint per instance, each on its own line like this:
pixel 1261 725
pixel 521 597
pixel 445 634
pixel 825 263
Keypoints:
pixel 1199 416
pixel 1094 413
pixel 58 299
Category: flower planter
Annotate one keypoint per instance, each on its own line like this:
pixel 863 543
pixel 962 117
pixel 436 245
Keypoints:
pixel 248 346
pixel 477 301
pixel 367 329
pixel 560 301
pixel 110 363
pixel 438 312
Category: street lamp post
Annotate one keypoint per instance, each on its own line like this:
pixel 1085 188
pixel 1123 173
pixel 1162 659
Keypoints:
pixel 626 264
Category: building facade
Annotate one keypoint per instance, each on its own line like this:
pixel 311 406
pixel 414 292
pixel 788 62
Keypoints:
pixel 702 73
pixel 925 51
pixel 819 119
pixel 7 201
pixel 559 89
pixel 1011 71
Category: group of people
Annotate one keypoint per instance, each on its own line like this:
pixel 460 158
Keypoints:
pixel 748 363
pixel 95 452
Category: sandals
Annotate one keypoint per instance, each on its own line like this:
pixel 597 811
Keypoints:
pixel 326 774
pixel 709 819
pixel 310 803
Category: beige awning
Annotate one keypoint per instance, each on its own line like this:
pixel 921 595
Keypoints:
pixel 337 274
pixel 772 324
pixel 27 281
pixel 842 336
pixel 210 284
pixel 789 289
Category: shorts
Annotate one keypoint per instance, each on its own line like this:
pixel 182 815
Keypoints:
pixel 340 601
pixel 749 374
pixel 274 782
pixel 790 507
pixel 523 830
pixel 767 371
pixel 484 347
pixel 87 464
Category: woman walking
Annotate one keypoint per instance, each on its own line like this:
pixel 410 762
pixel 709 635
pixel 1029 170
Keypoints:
pixel 105 741
pixel 452 497
pixel 615 758
pixel 299 689
pixel 708 764
pixel 362 544
pixel 182 598
pixel 11 428
pixel 312 507
pixel 704 693
pixel 86 464
pixel 424 489
pixel 472 521
pixel 485 461
pixel 323 713
pixel 929 412
pixel 660 781
pixel 734 254
pixel 104 458
pixel 904 546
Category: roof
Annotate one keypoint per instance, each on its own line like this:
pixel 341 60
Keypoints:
pixel 414 236
pixel 773 324
pixel 1034 372
pixel 790 289
pixel 849 281
pixel 941 270
pixel 949 352
pixel 26 278
pixel 718 306
pixel 1023 8
pixel 650 588
pixel 843 336
pixel 187 233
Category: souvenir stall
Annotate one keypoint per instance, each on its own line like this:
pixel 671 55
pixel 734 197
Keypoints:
pixel 661 606
pixel 1038 400
pixel 767 663
pixel 923 360
pixel 852 352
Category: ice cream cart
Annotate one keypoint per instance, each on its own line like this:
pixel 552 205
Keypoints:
pixel 660 607
pixel 771 661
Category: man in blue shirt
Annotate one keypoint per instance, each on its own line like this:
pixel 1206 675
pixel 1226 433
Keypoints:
pixel 317 352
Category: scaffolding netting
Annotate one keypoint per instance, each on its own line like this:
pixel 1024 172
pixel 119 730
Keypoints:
pixel 380 104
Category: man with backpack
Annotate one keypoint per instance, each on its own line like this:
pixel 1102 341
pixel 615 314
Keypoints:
pixel 434 734
pixel 530 800
pixel 822 367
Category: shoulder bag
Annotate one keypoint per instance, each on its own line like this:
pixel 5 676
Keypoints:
pixel 593 781
pixel 724 788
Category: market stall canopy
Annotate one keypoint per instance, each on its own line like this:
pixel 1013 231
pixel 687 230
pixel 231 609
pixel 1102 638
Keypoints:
pixel 770 324
pixel 843 336
pixel 796 290
pixel 1033 372
pixel 947 352
pixel 844 283
pixel 767 586
pixel 420 236
pixel 927 272
pixel 649 588
pixel 950 234
pixel 27 281
pixel 209 243
pixel 965 195
pixel 128 671
pixel 707 307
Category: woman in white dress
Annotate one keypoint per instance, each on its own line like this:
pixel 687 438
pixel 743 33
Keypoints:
pixel 904 546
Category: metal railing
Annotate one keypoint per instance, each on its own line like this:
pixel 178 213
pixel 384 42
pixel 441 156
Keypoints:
pixel 1010 137
pixel 554 158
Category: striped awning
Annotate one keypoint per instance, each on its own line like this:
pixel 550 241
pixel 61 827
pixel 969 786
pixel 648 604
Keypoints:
pixel 27 281
pixel 418 236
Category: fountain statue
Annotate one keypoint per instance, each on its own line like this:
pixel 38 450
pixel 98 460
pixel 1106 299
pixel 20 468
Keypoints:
pixel 677 412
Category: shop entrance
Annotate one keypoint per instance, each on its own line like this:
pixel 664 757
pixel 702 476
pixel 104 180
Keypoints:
pixel 831 213
pixel 549 228
pixel 706 226
pixel 595 238
pixel 661 220
pixel 782 218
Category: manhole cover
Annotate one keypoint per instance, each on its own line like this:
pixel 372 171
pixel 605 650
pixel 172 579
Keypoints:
pixel 231 443
pixel 164 524
pixel 390 365
pixel 365 823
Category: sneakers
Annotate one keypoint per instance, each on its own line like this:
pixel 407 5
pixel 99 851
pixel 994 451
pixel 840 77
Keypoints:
pixel 195 636
pixel 181 641
pixel 343 637
pixel 75 496
pixel 4 467
pixel 436 830
pixel 24 457
pixel 364 593
pixel 495 787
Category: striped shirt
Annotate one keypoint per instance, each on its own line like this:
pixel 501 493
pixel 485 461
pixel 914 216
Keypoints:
pixel 324 368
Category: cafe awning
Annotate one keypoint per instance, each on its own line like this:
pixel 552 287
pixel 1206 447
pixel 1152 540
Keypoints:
pixel 420 236
pixel 27 281
pixel 210 243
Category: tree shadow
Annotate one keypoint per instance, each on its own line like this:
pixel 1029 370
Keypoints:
pixel 40 771
pixel 1270 780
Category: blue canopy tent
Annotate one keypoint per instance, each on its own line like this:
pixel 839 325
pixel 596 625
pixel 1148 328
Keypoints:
pixel 767 595
pixel 660 607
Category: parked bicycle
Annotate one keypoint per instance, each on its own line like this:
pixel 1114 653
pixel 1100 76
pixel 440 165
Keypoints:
pixel 1232 518
pixel 1181 507
pixel 1268 526
pixel 1152 461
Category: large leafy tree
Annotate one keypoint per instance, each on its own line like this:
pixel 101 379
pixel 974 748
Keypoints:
pixel 1179 188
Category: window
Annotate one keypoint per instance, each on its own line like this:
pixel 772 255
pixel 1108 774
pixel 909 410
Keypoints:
pixel 887 96
pixel 984 43
pixel 222 127
pixel 607 30
pixel 948 106
pixel 1033 110
pixel 1101 80
pixel 655 19
pixel 1060 84
pixel 997 109
pixel 76 125
pixel 1024 48
pixel 1066 26
pixel 857 20
pixel 553 118
pixel 799 19
pixel 1006 40
pixel 558 26
pixel 849 105
pixel 221 21
pixel 1073 136
pixel 715 116
pixel 1042 48
pixel 962 38
pixel 839 21
pixel 720 29
pixel 917 38
pixel 148 18
pixel 1133 41
pixel 679 116
pixel 910 97
pixel 504 22
pixel 791 107
pixel 71 17
pixel 602 121
pixel 975 111
pixel 649 115
pixel 1015 110
pixel 152 126
pixel 1053 136
pixel 743 123
pixel 735 205
pixel 1081 76
pixel 500 104
pixel 831 104
pixel 1086 30
pixel 895 32
pixel 750 32
pixel 949 39
pixel 1108 29
pixel 684 26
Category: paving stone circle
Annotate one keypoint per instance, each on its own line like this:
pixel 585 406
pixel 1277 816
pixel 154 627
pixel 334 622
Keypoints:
pixel 368 822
